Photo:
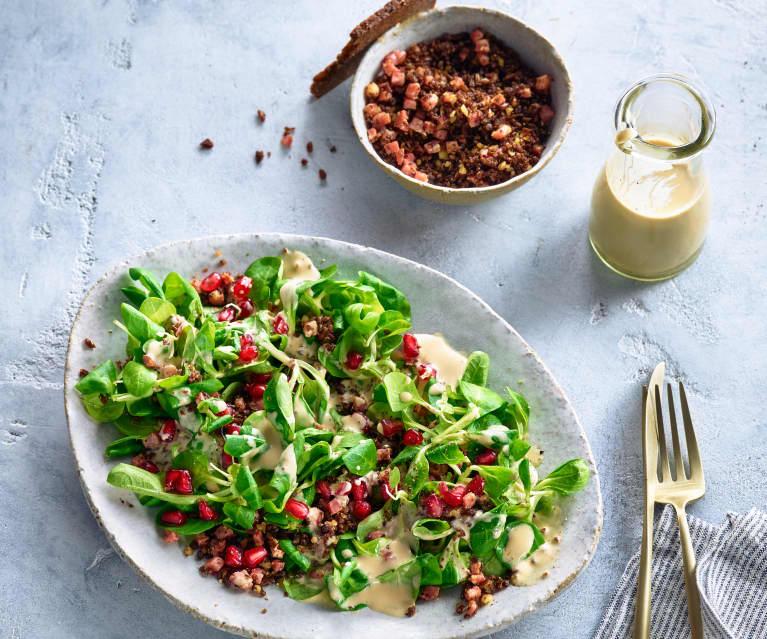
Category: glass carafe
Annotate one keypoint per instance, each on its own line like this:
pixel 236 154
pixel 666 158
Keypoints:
pixel 651 203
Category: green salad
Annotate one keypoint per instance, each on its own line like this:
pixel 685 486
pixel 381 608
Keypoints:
pixel 289 428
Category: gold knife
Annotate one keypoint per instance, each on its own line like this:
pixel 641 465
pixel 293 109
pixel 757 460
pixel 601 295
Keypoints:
pixel 650 458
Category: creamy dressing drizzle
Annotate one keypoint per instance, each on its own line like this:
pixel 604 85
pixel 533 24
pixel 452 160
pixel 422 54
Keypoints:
pixel 354 422
pixel 270 458
pixel 299 348
pixel 160 352
pixel 518 545
pixel 485 437
pixel 297 268
pixel 537 566
pixel 448 362
pixel 390 598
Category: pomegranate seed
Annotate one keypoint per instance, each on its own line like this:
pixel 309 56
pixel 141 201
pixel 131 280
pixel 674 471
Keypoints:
pixel 425 371
pixel 262 378
pixel 253 556
pixel 280 326
pixel 323 488
pixel 227 315
pixel 343 488
pixel 298 509
pixel 389 427
pixel 361 509
pixel 486 457
pixel 246 339
pixel 226 460
pixel 242 287
pixel 233 556
pixel 173 518
pixel 477 485
pixel 171 477
pixel 353 360
pixel 150 467
pixel 410 346
pixel 433 506
pixel 232 429
pixel 386 492
pixel 211 283
pixel 246 309
pixel 359 490
pixel 412 437
pixel 183 484
pixel 248 354
pixel 206 511
pixel 453 497
pixel 256 391
pixel 168 431
pixel 226 411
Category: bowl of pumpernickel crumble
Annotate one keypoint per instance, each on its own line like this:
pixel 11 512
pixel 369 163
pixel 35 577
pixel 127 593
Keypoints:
pixel 461 104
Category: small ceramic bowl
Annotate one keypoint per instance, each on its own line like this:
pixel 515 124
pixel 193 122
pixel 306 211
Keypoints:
pixel 532 48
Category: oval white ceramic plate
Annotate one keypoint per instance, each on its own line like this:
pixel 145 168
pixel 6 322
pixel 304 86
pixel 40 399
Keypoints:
pixel 439 305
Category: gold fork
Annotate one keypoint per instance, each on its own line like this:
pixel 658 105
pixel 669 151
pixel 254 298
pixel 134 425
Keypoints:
pixel 677 490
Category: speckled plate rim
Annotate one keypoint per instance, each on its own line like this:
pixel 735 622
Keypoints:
pixel 287 239
pixel 550 150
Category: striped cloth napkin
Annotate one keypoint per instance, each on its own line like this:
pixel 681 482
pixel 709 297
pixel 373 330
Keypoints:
pixel 732 578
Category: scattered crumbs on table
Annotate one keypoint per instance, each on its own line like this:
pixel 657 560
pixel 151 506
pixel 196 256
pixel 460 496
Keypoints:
pixel 207 143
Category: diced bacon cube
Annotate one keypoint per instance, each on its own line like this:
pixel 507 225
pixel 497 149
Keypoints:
pixel 399 157
pixel 373 135
pixel 474 119
pixel 546 114
pixel 416 124
pixel 542 83
pixel 457 83
pixel 501 132
pixel 476 35
pixel 412 90
pixel 499 99
pixel 524 92
pixel 384 96
pixel 409 103
pixel 421 176
pixel 401 122
pixel 389 67
pixel 371 110
pixel 482 46
pixel 441 134
pixel 429 127
pixel 448 97
pixel 432 147
pixel 452 146
pixel 391 148
pixel 429 101
pixel 409 157
pixel 381 120
pixel 409 169
pixel 389 134
pixel 399 56
pixel 398 78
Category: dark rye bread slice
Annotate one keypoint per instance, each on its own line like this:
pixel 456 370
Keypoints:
pixel 361 37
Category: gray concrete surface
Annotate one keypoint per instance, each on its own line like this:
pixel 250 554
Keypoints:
pixel 102 107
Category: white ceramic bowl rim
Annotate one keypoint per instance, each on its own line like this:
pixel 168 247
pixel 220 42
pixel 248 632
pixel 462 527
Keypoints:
pixel 550 149
pixel 288 240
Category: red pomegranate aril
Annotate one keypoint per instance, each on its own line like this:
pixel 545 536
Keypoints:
pixel 280 326
pixel 255 391
pixel 361 509
pixel 226 460
pixel 150 467
pixel 353 360
pixel 389 427
pixel 226 411
pixel 232 429
pixel 168 431
pixel 183 484
pixel 454 496
pixel 253 556
pixel 412 437
pixel 323 488
pixel 386 493
pixel 248 354
pixel 298 509
pixel 206 511
pixel 433 505
pixel 211 283
pixel 173 518
pixel 359 490
pixel 410 346
pixel 233 556
pixel 242 287
pixel 261 378
pixel 425 371
pixel 476 485
pixel 227 315
pixel 246 308
pixel 486 457
pixel 171 477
